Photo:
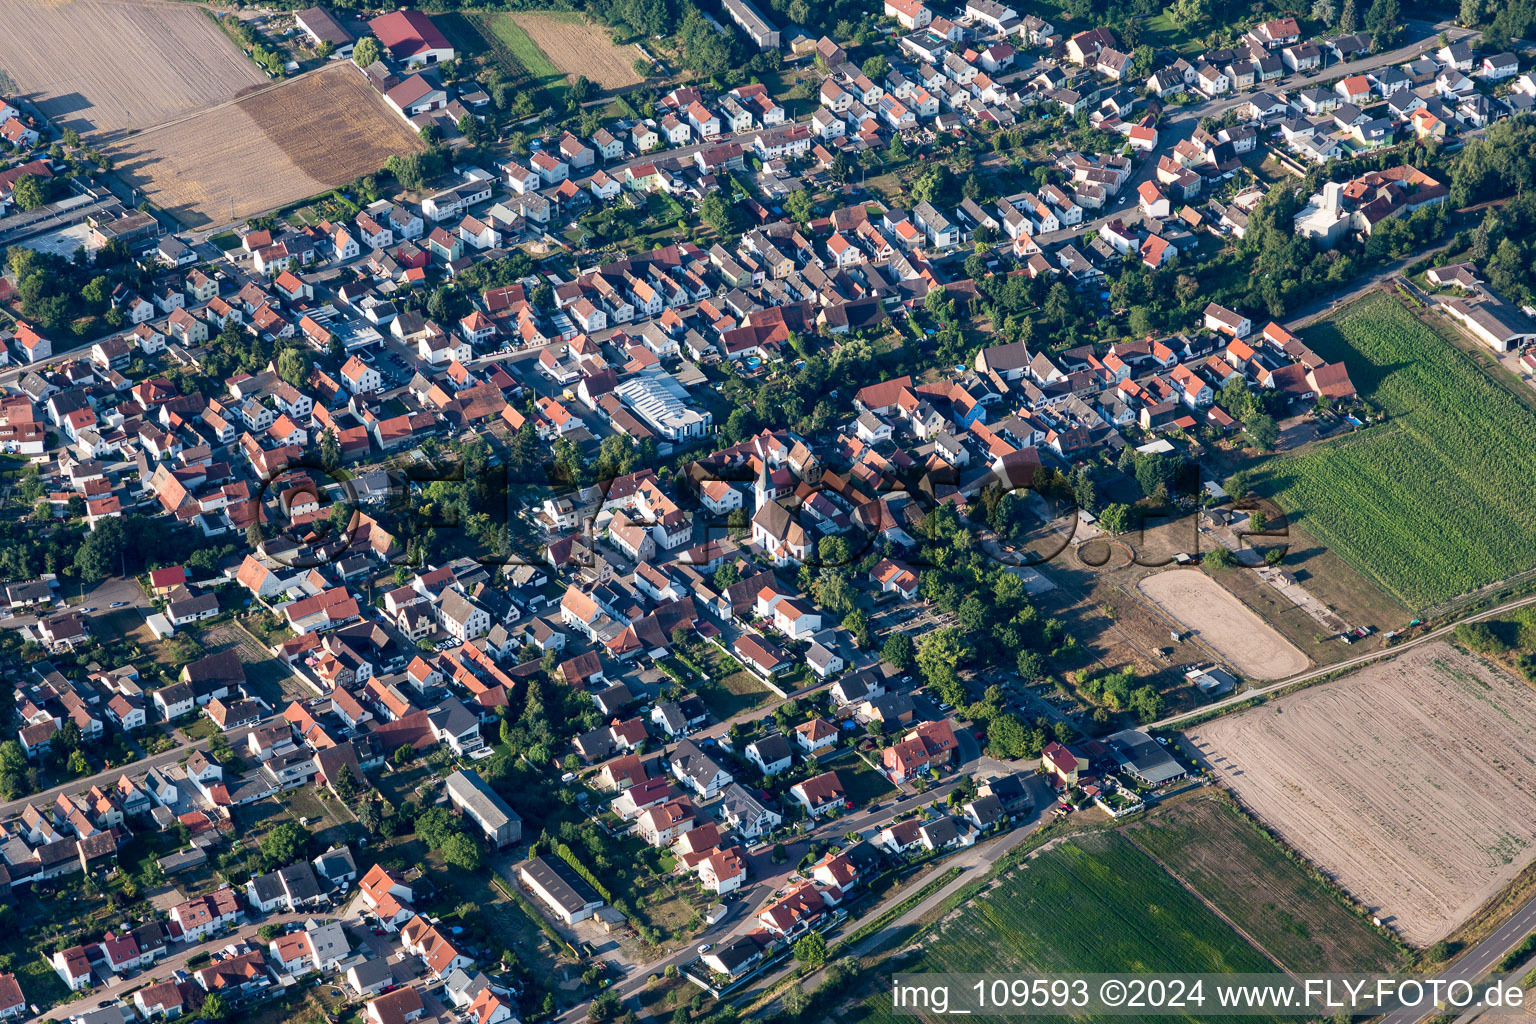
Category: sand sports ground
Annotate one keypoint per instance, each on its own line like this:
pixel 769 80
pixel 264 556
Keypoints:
pixel 1217 617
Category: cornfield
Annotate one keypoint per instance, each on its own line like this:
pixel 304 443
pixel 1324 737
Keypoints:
pixel 1437 501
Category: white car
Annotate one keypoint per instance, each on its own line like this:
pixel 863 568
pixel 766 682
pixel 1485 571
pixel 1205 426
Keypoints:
pixel 705 948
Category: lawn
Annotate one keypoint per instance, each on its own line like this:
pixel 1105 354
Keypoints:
pixel 736 693
pixel 1161 31
pixel 861 783
pixel 1251 879
pixel 1094 903
pixel 1431 504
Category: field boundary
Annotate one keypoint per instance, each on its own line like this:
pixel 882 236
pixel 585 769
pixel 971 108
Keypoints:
pixel 1212 907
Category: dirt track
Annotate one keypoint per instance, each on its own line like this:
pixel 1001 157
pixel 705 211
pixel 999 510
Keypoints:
pixel 1201 604
pixel 1412 781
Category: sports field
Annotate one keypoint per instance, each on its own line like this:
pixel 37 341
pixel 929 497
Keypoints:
pixel 1434 502
pixel 1217 617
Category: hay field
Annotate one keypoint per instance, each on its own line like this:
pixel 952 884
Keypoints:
pixel 110 65
pixel 578 47
pixel 280 145
pixel 1216 616
pixel 1411 781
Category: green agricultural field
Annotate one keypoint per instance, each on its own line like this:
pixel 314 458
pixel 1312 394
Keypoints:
pixel 1433 503
pixel 1279 903
pixel 1094 903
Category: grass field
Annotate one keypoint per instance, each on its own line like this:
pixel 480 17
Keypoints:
pixel 1281 905
pixel 738 692
pixel 861 783
pixel 1431 504
pixel 1088 904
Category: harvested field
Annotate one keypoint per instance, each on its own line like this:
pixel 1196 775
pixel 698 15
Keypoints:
pixel 110 65
pixel 275 147
pixel 1208 609
pixel 576 46
pixel 1412 782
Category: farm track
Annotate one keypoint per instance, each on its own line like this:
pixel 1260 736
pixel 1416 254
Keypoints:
pixel 1328 671
pixel 1213 908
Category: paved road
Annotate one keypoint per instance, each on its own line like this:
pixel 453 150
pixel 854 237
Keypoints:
pixel 163 969
pixel 136 769
pixel 1364 659
pixel 1478 960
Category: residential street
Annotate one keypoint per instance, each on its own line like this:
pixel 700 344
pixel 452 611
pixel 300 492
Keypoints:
pixel 137 769
pixel 768 877
pixel 162 969
pixel 1179 123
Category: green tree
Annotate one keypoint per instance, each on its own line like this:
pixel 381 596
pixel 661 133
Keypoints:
pixel 718 214
pixel 898 651
pixel 330 450
pixel 461 852
pixel 1007 737
pixel 29 192
pixel 12 757
pixel 811 950
pixel 293 366
pixel 1384 20
pixel 214 1007
pixel 283 844
pixel 1115 518
pixel 1349 20
pixel 939 656
pixel 876 68
pixel 1147 703
pixel 366 51
pixel 799 205
pixel 1218 558
pixel 1262 431
pixel 1190 15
